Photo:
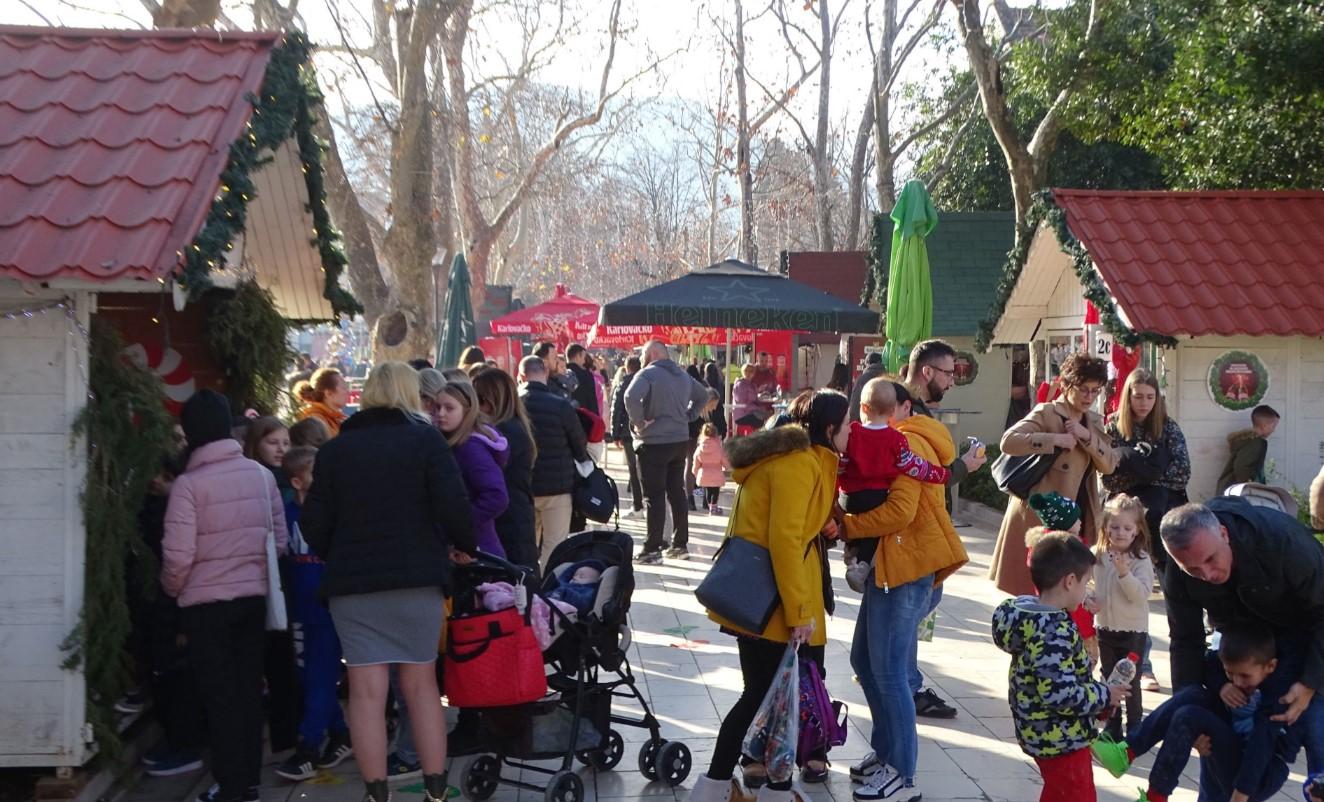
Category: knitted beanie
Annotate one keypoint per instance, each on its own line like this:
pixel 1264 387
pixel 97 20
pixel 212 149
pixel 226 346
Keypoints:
pixel 1055 510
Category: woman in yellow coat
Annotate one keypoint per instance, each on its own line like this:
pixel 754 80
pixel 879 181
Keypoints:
pixel 787 479
pixel 917 549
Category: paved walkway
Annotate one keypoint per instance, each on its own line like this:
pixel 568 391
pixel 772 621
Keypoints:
pixel 690 674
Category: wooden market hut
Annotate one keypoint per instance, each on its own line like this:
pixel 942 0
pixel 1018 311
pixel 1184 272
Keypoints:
pixel 139 170
pixel 1223 291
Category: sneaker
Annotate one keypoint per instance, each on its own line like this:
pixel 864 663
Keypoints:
pixel 866 768
pixel 931 705
pixel 678 553
pixel 157 755
pixel 168 764
pixel 213 794
pixel 300 766
pixel 1149 682
pixel 1112 755
pixel 632 514
pixel 337 750
pixel 398 769
pixel 649 558
pixel 132 702
pixel 885 784
pixel 715 510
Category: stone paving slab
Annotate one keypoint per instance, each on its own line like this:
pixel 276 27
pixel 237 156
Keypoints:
pixel 689 672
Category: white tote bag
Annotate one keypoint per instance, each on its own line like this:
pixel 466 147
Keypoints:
pixel 277 618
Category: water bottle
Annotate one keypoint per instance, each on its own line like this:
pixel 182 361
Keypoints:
pixel 1125 671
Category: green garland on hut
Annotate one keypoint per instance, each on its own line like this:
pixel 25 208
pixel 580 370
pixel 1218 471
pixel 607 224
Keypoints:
pixel 1045 210
pixel 285 107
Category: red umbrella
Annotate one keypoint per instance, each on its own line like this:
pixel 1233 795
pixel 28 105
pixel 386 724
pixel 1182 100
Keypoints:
pixel 565 318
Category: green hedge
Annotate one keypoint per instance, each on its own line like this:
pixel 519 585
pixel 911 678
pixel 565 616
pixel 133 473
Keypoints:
pixel 979 486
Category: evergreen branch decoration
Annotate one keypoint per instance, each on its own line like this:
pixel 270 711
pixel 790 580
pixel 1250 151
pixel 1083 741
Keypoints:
pixel 127 430
pixel 283 108
pixel 248 336
pixel 1045 210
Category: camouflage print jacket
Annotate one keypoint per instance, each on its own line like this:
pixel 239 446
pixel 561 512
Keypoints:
pixel 1053 700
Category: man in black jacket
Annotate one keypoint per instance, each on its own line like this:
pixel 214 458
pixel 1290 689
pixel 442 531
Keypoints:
pixel 1236 561
pixel 561 443
pixel 585 393
pixel 621 433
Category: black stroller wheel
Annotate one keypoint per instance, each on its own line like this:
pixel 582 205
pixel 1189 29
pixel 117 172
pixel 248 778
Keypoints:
pixel 565 786
pixel 673 763
pixel 648 757
pixel 606 758
pixel 481 779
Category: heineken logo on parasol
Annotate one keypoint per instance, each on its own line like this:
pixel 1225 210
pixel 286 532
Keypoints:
pixel 1238 380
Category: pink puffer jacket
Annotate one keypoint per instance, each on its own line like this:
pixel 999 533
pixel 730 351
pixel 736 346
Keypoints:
pixel 216 525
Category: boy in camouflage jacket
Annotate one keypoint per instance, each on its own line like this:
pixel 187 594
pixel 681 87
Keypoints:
pixel 1054 703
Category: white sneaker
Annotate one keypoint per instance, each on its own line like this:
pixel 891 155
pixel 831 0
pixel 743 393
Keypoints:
pixel 862 771
pixel 885 786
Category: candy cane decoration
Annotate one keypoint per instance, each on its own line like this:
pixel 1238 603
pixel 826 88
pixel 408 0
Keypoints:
pixel 175 374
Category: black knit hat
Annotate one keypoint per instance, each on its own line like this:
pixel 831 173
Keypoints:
pixel 1055 510
pixel 205 418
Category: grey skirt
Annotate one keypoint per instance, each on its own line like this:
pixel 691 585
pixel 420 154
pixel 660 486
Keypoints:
pixel 390 626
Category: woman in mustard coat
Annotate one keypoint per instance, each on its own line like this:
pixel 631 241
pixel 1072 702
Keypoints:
pixel 1069 424
pixel 787 478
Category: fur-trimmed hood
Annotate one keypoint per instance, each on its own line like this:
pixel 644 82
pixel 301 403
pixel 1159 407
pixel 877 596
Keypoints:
pixel 746 452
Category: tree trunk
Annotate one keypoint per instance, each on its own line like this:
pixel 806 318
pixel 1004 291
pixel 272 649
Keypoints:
pixel 822 158
pixel 744 170
pixel 714 189
pixel 856 205
pixel 365 275
pixel 186 14
pixel 884 158
pixel 407 330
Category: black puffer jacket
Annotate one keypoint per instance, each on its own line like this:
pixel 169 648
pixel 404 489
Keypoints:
pixel 586 391
pixel 515 526
pixel 559 436
pixel 387 502
pixel 620 418
pixel 1277 580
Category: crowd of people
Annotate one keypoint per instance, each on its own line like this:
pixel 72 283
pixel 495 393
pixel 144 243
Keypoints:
pixel 370 512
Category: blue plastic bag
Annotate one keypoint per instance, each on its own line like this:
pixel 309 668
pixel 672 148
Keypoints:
pixel 775 733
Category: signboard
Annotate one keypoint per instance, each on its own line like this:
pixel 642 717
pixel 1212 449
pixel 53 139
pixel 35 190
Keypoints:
pixel 966 368
pixel 1238 380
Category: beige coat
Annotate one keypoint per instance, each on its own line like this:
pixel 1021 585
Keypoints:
pixel 1080 464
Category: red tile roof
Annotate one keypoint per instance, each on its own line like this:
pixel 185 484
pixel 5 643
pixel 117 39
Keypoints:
pixel 1226 263
pixel 112 143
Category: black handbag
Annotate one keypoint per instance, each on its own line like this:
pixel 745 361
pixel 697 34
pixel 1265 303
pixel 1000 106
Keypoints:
pixel 740 586
pixel 596 496
pixel 1018 476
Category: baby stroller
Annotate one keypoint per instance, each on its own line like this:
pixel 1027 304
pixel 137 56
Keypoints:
pixel 588 667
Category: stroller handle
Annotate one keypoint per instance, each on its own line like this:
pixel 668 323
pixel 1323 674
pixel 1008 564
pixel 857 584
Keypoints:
pixel 483 559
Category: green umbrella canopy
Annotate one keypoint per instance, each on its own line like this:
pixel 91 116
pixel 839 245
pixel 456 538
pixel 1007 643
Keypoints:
pixel 457 327
pixel 909 290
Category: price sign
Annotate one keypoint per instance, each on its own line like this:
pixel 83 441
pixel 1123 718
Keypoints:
pixel 1102 344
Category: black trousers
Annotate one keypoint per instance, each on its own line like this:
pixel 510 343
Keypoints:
pixel 1114 646
pixel 690 480
pixel 711 495
pixel 759 660
pixel 283 694
pixel 632 464
pixel 662 475
pixel 226 642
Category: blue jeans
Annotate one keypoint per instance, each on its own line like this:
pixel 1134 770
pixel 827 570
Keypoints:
pixel 882 653
pixel 916 678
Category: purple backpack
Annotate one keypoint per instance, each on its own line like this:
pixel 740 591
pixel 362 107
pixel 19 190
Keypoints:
pixel 822 721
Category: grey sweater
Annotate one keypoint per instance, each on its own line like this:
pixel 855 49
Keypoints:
pixel 667 396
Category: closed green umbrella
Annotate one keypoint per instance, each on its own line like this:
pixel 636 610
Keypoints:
pixel 457 327
pixel 909 290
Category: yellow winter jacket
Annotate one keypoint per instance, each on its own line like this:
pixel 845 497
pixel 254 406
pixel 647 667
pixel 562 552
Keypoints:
pixel 787 488
pixel 915 532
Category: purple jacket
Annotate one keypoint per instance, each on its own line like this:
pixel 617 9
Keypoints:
pixel 482 458
pixel 216 524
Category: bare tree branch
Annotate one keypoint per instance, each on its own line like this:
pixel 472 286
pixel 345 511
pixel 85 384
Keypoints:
pixel 960 102
pixel 944 166
pixel 387 120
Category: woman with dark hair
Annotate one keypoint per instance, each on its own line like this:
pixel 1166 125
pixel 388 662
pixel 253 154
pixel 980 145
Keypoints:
pixel 917 549
pixel 712 376
pixel 787 480
pixel 473 355
pixel 1068 428
pixel 840 380
pixel 498 397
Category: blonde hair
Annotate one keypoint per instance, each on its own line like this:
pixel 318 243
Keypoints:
pixel 464 393
pixel 392 385
pixel 708 430
pixel 1158 416
pixel 257 432
pixel 1123 504
pixel 880 394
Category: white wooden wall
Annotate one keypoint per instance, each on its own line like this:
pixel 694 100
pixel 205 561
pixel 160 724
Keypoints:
pixel 42 555
pixel 1296 390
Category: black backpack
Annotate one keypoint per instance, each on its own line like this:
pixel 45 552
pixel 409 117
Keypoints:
pixel 596 497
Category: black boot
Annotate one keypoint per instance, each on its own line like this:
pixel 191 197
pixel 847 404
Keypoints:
pixel 434 787
pixel 376 791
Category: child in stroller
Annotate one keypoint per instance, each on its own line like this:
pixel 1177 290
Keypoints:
pixel 588 667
